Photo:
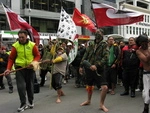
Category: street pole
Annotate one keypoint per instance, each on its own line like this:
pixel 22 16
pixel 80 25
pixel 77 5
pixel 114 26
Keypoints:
pixel 29 14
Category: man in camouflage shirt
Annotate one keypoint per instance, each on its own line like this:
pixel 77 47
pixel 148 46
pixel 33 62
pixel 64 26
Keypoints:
pixel 93 62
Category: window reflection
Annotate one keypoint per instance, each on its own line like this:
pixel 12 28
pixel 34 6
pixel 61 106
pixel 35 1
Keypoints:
pixel 50 5
pixel 3 23
pixel 45 25
pixel 137 31
pixel 134 30
pixel 127 29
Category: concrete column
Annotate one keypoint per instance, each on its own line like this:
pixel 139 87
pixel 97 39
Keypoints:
pixel 78 4
pixel 14 7
pixel 134 2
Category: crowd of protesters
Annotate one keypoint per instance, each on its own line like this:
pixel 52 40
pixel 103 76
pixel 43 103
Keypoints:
pixel 103 64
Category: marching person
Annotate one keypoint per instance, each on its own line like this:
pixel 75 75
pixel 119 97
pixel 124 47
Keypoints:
pixel 3 64
pixel 59 70
pixel 111 67
pixel 45 67
pixel 143 54
pixel 94 61
pixel 130 65
pixel 23 54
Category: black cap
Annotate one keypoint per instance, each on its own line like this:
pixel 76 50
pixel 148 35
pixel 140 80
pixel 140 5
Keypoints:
pixel 100 30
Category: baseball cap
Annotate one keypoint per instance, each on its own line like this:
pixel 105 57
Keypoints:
pixel 83 45
pixel 69 44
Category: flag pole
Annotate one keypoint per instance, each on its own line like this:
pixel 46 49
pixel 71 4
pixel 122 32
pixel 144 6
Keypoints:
pixel 29 13
pixel 6 14
pixel 0 41
pixel 94 14
pixel 61 3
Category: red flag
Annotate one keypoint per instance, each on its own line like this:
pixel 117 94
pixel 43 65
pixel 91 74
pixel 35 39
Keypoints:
pixel 83 20
pixel 17 23
pixel 106 15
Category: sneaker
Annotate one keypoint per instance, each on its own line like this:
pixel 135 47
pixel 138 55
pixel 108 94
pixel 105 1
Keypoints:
pixel 45 78
pixel 10 90
pixel 22 107
pixel 41 84
pixel 121 84
pixel 2 87
pixel 31 105
pixel 138 90
pixel 77 86
pixel 65 81
pixel 100 89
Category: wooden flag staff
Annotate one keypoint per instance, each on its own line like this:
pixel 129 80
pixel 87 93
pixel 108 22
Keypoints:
pixel 37 65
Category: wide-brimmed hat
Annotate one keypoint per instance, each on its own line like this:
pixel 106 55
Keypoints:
pixel 60 48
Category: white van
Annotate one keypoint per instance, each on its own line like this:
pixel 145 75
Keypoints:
pixel 8 38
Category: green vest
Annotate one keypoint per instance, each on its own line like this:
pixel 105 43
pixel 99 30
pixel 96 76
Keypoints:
pixel 46 55
pixel 24 53
pixel 111 56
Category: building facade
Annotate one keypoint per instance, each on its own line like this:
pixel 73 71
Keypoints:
pixel 43 15
pixel 134 30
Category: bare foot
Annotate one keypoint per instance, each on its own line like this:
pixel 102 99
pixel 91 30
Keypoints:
pixel 104 108
pixel 85 103
pixel 58 100
pixel 62 93
pixel 112 93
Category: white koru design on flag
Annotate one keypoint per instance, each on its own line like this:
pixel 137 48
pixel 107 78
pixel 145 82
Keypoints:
pixel 21 19
pixel 67 28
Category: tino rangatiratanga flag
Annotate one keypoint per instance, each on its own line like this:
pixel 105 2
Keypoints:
pixel 106 15
pixel 17 23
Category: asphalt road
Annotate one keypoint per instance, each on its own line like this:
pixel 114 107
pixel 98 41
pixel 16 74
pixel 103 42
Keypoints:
pixel 45 100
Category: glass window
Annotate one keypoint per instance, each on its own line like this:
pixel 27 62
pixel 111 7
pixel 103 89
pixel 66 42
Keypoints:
pixel 130 30
pixel 137 31
pixel 68 6
pixel 148 32
pixel 127 29
pixel 45 25
pixel 3 22
pixel 145 17
pixel 50 5
pixel 145 31
pixel 130 2
pixel 114 1
pixel 142 31
pixel 134 30
pixel 6 2
pixel 54 5
pixel 141 4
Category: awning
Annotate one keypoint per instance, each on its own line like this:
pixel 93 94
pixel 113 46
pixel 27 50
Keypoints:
pixel 84 37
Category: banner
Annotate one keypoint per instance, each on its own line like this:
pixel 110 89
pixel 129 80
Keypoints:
pixel 106 15
pixel 67 30
pixel 83 21
pixel 17 23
